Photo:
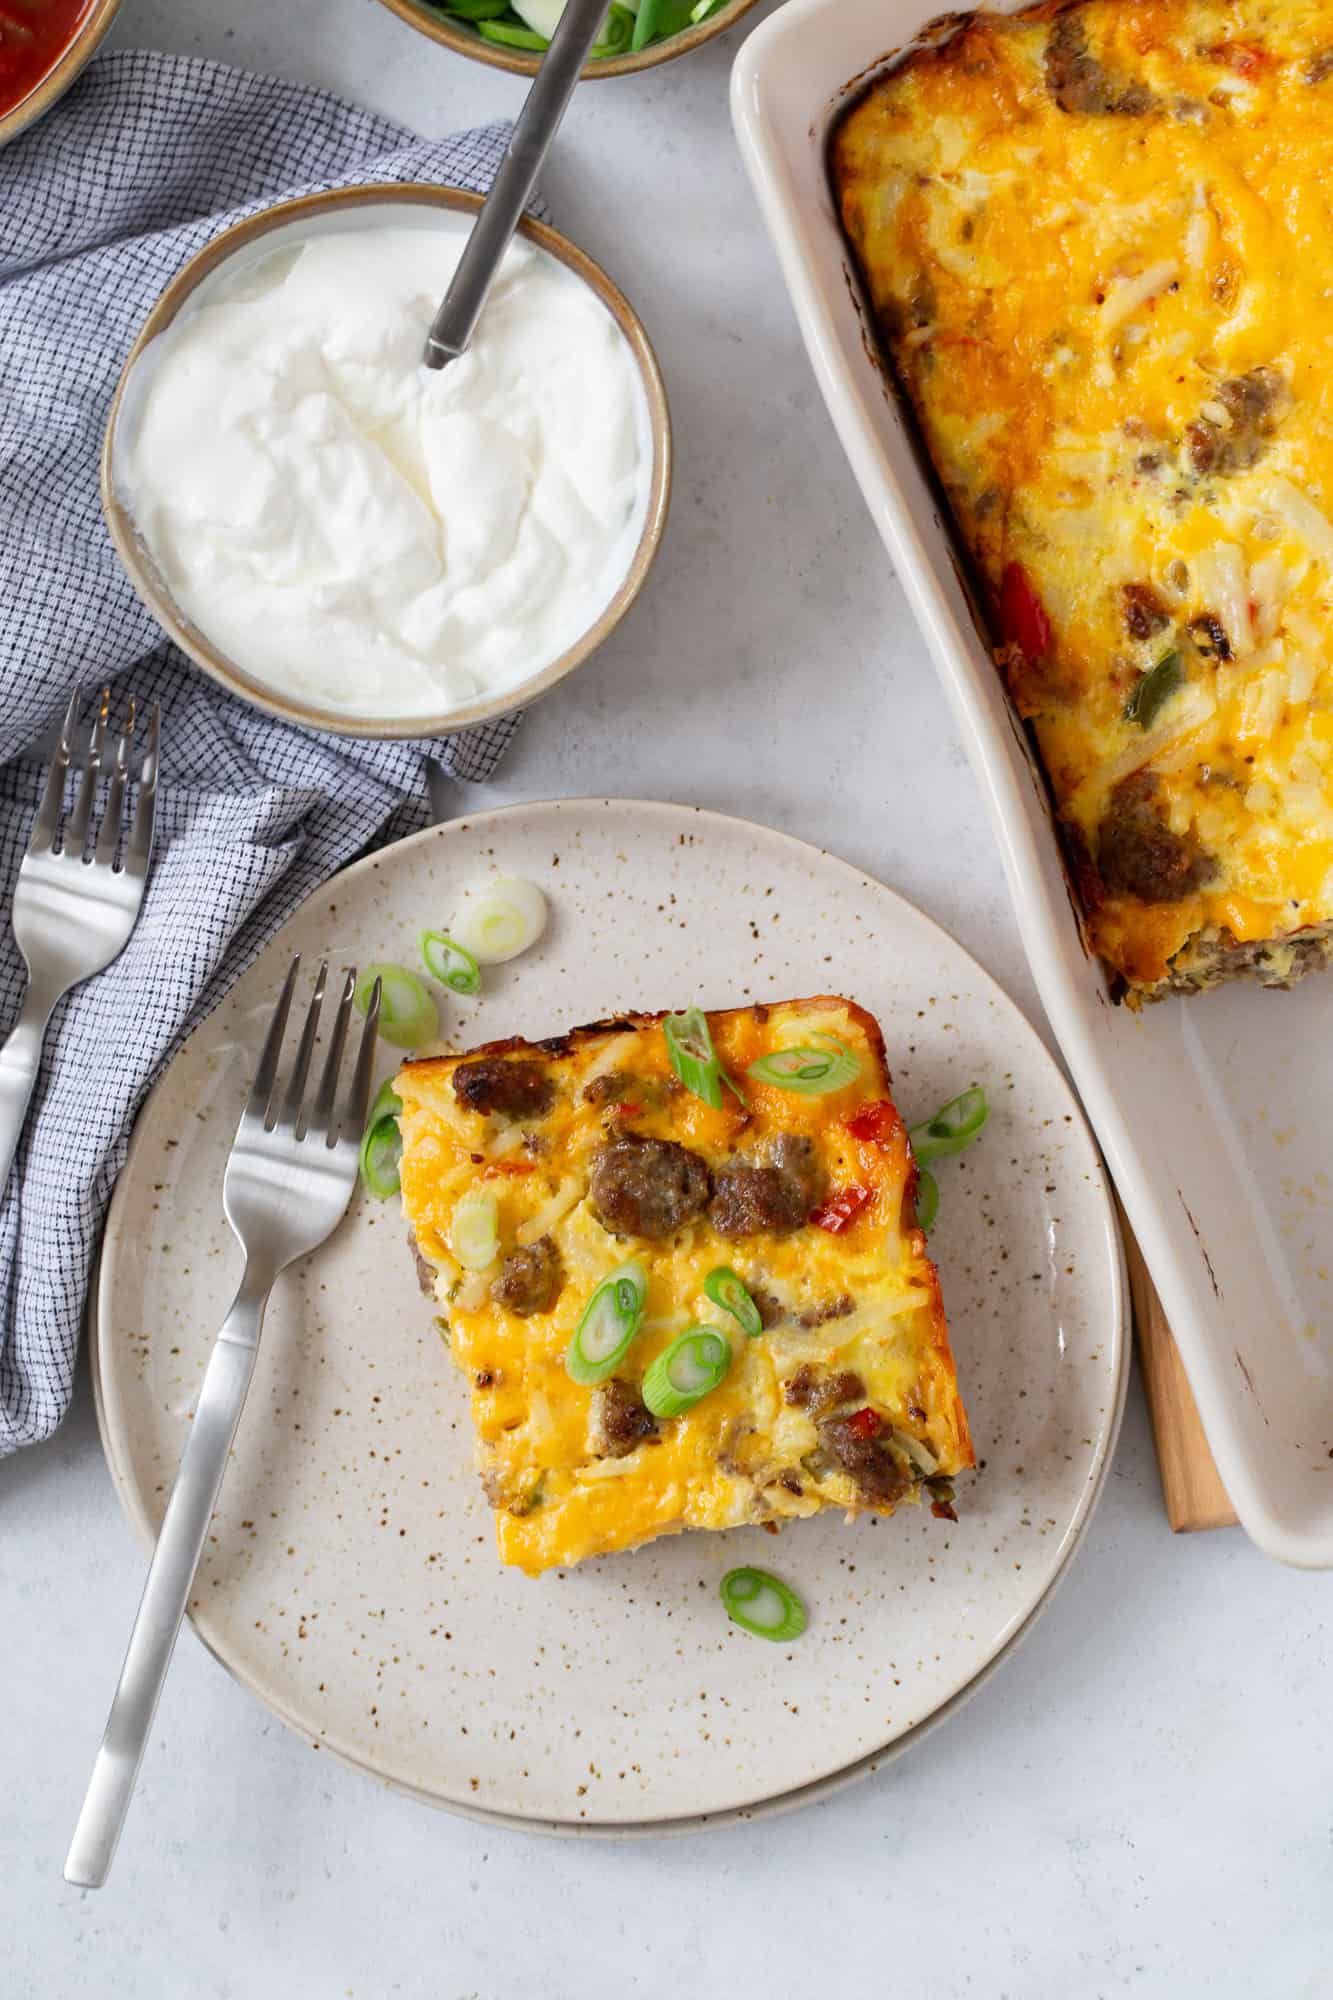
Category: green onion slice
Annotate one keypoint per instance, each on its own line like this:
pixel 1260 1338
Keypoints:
pixel 812 1069
pixel 407 1012
pixel 474 1229
pixel 725 1289
pixel 382 1145
pixel 927 1200
pixel 1155 690
pixel 762 1603
pixel 687 1371
pixel 495 923
pixel 690 1051
pixel 450 963
pixel 511 36
pixel 475 10
pixel 665 18
pixel 955 1125
pixel 616 34
pixel 608 1324
pixel 645 24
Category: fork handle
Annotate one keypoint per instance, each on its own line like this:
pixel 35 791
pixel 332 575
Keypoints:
pixel 167 1592
pixel 20 1059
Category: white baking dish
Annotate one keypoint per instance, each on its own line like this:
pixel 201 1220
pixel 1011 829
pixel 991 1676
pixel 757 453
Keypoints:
pixel 1209 1109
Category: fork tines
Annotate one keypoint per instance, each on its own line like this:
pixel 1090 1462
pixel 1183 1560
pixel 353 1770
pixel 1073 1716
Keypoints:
pixel 103 761
pixel 291 1113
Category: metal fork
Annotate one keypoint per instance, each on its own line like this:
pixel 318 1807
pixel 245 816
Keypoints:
pixel 289 1178
pixel 74 911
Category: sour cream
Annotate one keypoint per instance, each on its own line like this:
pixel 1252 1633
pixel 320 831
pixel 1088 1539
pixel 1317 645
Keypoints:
pixel 360 532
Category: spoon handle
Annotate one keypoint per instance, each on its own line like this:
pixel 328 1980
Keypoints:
pixel 534 129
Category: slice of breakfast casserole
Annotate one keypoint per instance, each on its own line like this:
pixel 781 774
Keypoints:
pixel 678 1260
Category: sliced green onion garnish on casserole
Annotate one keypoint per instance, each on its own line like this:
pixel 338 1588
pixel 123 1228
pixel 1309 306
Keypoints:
pixel 725 1289
pixel 810 1069
pixel 687 1371
pixel 608 1324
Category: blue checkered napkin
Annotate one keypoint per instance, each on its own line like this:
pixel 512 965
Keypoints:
pixel 145 160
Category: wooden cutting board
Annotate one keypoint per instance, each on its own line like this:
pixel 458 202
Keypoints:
pixel 1194 1494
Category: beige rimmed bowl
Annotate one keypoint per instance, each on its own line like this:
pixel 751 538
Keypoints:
pixel 152 587
pixel 462 37
pixel 60 76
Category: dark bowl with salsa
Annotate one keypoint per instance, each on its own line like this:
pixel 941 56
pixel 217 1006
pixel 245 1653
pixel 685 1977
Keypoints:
pixel 43 46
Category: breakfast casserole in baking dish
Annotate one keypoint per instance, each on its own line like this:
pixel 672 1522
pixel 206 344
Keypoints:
pixel 1098 244
pixel 677 1258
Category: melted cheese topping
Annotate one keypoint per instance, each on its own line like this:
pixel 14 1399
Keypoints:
pixel 1100 247
pixel 740 1455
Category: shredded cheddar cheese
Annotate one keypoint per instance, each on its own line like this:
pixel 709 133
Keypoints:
pixel 1098 241
pixel 841 1399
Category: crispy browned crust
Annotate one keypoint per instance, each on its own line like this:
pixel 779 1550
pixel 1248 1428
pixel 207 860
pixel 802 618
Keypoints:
pixel 557 1047
pixel 937 43
pixel 1274 962
pixel 949 41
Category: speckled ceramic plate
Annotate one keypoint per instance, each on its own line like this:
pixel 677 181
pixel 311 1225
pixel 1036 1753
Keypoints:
pixel 351 1579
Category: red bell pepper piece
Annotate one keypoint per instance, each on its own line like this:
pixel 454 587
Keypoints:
pixel 1023 618
pixel 841 1208
pixel 878 1121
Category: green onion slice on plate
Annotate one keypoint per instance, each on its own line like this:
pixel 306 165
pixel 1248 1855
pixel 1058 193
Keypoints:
pixel 927 1200
pixel 725 1289
pixel 450 963
pixel 812 1069
pixel 608 1324
pixel 690 1051
pixel 382 1145
pixel 476 10
pixel 687 1371
pixel 762 1603
pixel 474 1229
pixel 407 1012
pixel 495 923
pixel 955 1125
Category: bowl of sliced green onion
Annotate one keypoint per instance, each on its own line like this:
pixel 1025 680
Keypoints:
pixel 514 34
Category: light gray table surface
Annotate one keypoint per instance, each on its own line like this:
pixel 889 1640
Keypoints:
pixel 1141 1800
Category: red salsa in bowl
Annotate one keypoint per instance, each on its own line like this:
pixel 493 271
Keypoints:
pixel 34 35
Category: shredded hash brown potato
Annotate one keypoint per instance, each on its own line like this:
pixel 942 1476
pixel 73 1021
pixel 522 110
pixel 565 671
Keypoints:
pixel 1098 245
pixel 846 1398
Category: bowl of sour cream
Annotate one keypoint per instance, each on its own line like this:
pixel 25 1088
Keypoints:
pixel 351 540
